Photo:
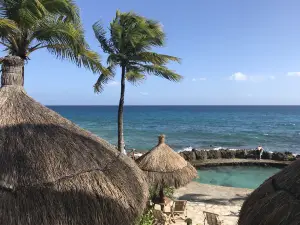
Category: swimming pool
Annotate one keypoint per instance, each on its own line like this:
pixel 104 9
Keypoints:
pixel 236 176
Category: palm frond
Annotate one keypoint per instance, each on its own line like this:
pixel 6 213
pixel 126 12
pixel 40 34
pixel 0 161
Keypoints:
pixel 100 34
pixel 7 27
pixel 154 58
pixel 161 71
pixel 104 79
pixel 54 31
pixel 66 8
pixel 135 77
pixel 83 57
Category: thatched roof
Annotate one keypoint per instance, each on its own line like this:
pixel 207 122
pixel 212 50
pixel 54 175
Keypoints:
pixel 276 201
pixel 164 167
pixel 54 173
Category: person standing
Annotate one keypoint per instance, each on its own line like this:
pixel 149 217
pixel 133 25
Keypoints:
pixel 259 151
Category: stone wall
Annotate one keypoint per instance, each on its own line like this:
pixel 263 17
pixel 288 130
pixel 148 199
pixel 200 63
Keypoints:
pixel 239 154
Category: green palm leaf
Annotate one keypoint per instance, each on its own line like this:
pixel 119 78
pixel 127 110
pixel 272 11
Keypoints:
pixel 103 79
pixel 135 77
pixel 29 25
pixel 162 71
pixel 100 34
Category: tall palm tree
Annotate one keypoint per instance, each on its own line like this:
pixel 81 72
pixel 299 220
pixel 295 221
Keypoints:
pixel 29 25
pixel 129 47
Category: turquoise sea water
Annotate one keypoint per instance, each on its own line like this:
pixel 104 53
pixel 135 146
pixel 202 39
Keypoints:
pixel 236 176
pixel 277 128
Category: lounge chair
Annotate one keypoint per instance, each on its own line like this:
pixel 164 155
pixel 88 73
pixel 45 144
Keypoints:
pixel 179 209
pixel 211 218
pixel 161 218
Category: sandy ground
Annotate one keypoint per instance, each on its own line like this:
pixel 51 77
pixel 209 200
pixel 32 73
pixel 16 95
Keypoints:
pixel 225 201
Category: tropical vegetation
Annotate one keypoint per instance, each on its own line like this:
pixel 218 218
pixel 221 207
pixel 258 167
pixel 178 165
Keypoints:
pixel 128 45
pixel 30 25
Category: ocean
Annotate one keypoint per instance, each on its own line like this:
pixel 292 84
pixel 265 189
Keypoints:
pixel 276 128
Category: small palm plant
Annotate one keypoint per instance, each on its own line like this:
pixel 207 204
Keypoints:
pixel 27 26
pixel 131 38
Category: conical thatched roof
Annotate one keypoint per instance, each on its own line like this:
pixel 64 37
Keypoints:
pixel 54 173
pixel 164 167
pixel 276 201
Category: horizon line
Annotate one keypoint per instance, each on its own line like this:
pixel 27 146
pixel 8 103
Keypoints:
pixel 170 105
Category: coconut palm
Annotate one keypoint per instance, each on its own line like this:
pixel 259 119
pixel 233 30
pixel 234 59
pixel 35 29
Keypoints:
pixel 27 26
pixel 129 47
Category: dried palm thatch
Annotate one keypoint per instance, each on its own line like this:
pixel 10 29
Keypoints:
pixel 166 168
pixel 276 201
pixel 54 173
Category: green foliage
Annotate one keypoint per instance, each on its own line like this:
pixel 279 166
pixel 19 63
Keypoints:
pixel 146 219
pixel 168 192
pixel 30 25
pixel 131 38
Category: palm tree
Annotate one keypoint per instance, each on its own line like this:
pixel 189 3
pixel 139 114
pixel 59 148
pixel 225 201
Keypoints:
pixel 29 25
pixel 129 47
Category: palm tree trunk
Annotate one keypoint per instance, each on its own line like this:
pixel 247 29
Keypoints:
pixel 12 71
pixel 23 70
pixel 120 113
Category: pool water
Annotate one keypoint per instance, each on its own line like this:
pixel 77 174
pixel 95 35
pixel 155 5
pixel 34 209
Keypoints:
pixel 236 176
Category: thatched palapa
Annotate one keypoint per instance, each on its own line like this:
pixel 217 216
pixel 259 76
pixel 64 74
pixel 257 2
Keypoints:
pixel 166 168
pixel 276 201
pixel 54 173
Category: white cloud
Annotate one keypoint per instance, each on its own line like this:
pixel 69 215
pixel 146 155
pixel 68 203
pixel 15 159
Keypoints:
pixel 272 77
pixel 238 77
pixel 144 93
pixel 243 77
pixel 113 83
pixel 199 79
pixel 293 74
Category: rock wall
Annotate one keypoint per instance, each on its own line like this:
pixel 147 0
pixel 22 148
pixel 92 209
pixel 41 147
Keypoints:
pixel 239 154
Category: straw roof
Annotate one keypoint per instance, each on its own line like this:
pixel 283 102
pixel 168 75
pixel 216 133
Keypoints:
pixel 164 167
pixel 54 173
pixel 276 201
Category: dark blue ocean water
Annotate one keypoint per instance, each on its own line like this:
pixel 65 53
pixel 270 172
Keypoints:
pixel 277 128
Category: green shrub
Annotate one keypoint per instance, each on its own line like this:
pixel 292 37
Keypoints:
pixel 169 192
pixel 146 219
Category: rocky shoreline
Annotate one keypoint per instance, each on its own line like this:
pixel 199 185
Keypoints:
pixel 202 155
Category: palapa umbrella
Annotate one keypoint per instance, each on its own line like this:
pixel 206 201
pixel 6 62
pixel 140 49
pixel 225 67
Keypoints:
pixel 54 173
pixel 276 201
pixel 166 168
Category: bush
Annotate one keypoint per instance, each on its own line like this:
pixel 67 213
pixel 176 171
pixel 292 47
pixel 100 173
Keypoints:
pixel 168 192
pixel 146 219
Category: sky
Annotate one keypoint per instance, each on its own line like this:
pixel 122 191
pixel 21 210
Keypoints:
pixel 233 53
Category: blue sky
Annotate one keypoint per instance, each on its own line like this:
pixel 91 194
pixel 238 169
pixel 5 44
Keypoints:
pixel 233 52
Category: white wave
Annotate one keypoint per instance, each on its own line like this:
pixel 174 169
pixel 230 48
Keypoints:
pixel 266 134
pixel 187 149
